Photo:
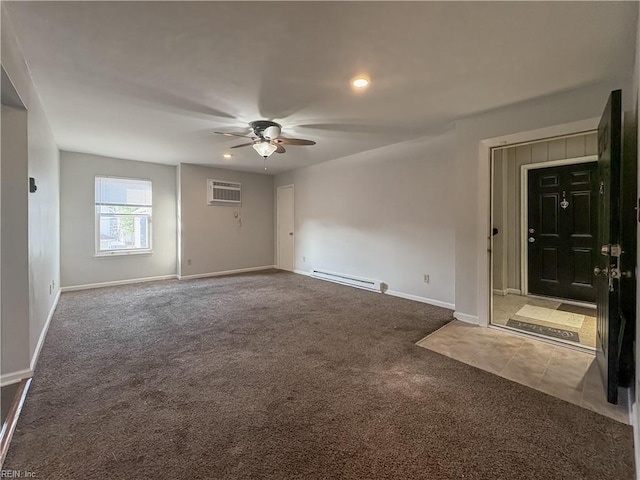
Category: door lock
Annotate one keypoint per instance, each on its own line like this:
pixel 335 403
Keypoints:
pixel 613 250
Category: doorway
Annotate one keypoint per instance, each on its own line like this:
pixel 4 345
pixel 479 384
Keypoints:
pixel 544 239
pixel 285 228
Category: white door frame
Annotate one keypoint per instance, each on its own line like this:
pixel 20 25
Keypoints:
pixel 293 212
pixel 524 208
pixel 484 232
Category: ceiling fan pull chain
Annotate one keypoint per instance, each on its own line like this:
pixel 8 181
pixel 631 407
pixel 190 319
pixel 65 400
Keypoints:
pixel 264 159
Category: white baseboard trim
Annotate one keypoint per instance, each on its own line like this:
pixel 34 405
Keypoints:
pixel 416 298
pixel 43 333
pixel 302 272
pixel 89 286
pixel 464 317
pixel 14 377
pixel 507 291
pixel 226 272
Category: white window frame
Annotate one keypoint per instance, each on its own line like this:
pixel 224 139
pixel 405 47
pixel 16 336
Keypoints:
pixel 121 252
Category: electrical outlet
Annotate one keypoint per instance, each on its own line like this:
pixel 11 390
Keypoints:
pixel 189 262
pixel 426 278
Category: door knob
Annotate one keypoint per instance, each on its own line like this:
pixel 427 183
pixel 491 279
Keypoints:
pixel 290 233
pixel 531 239
pixel 599 271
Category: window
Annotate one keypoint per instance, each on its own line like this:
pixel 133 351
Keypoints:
pixel 123 216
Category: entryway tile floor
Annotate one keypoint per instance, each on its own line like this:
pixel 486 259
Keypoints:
pixel 562 372
pixel 508 307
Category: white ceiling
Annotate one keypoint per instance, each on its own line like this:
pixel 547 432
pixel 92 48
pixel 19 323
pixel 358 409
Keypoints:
pixel 151 81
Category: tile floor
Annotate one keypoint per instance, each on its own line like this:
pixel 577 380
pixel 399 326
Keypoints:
pixel 507 307
pixel 559 371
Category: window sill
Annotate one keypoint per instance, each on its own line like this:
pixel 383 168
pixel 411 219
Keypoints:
pixel 123 254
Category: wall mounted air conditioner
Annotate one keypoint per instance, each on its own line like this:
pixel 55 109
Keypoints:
pixel 220 191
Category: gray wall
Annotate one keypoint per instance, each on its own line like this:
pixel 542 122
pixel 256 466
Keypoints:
pixel 80 266
pixel 22 335
pixel 506 198
pixel 383 214
pixel 211 237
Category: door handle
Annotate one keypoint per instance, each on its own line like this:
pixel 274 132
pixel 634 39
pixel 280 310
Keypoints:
pixel 531 239
pixel 597 271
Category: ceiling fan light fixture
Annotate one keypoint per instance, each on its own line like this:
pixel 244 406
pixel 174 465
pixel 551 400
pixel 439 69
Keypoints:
pixel 264 148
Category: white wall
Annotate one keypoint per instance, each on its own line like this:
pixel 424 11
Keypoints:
pixel 80 266
pixel 43 240
pixel 382 214
pixel 212 239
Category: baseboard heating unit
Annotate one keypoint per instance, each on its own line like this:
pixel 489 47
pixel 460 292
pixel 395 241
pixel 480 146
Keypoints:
pixel 344 279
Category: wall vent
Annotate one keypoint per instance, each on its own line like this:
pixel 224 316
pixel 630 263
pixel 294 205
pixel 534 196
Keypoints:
pixel 219 191
pixel 344 279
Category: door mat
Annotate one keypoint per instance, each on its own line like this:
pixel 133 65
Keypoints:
pixel 587 312
pixel 551 315
pixel 542 330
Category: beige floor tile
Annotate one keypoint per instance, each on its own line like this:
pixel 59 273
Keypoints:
pixel 559 371
pixel 526 373
pixel 565 376
pixel 560 390
pixel 440 348
pixel 593 398
pixel 565 358
pixel 492 360
pixel 536 350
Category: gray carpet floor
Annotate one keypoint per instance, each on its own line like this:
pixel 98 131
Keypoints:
pixel 280 376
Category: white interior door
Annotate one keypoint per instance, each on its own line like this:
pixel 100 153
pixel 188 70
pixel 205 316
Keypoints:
pixel 285 228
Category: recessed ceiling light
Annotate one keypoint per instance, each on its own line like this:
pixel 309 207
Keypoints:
pixel 227 155
pixel 360 82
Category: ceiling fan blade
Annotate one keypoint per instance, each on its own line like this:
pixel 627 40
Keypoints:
pixel 279 148
pixel 242 145
pixel 294 141
pixel 233 134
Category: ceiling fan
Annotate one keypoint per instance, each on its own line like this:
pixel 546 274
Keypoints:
pixel 266 138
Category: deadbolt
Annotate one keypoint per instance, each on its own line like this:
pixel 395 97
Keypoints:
pixel 532 230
